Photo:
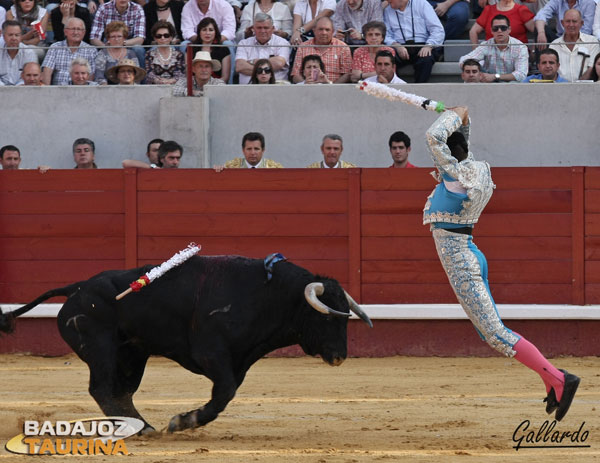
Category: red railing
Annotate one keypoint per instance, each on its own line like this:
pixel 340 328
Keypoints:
pixel 540 232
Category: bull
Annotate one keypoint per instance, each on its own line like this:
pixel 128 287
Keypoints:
pixel 215 316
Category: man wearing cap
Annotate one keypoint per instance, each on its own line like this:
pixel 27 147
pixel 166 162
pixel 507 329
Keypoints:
pixel 57 63
pixel 125 73
pixel 331 147
pixel 202 67
pixel 264 44
pixel 253 147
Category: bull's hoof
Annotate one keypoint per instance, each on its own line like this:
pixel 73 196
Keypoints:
pixel 181 422
pixel 146 430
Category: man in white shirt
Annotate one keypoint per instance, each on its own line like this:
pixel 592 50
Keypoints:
pixel 265 44
pixel 12 61
pixel 385 69
pixel 576 50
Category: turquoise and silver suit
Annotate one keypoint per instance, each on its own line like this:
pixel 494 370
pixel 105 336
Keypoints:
pixel 457 201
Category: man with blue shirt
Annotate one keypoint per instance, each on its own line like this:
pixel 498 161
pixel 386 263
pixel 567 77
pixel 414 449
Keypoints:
pixel 452 210
pixel 415 31
pixel 548 64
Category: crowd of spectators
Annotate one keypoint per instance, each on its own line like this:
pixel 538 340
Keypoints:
pixel 167 154
pixel 342 38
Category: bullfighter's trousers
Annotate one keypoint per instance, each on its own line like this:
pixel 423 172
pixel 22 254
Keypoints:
pixel 467 271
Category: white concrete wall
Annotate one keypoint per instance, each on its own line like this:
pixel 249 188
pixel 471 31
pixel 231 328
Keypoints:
pixel 513 124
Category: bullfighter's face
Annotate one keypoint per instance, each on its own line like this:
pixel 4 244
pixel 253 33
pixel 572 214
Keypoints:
pixel 253 151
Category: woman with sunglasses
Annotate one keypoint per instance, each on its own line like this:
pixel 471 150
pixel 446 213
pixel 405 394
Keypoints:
pixel 27 12
pixel 520 17
pixel 164 64
pixel 115 32
pixel 208 35
pixel 262 72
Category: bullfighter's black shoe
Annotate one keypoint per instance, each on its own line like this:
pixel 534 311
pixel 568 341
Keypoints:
pixel 571 385
pixel 551 402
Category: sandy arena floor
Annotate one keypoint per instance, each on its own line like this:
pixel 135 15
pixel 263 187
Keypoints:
pixel 301 410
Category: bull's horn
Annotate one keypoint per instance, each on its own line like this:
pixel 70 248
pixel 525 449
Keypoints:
pixel 354 307
pixel 311 291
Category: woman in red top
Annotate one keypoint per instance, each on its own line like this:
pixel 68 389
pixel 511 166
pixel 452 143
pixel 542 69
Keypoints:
pixel 521 21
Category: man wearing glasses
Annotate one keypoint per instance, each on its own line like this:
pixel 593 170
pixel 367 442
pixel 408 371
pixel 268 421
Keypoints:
pixel 504 58
pixel 57 64
pixel 265 45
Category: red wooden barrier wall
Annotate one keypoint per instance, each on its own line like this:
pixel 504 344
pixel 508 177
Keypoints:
pixel 540 232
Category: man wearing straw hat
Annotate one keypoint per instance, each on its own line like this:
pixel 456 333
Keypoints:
pixel 125 72
pixel 202 67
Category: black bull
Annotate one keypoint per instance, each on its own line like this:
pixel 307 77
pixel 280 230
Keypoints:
pixel 215 316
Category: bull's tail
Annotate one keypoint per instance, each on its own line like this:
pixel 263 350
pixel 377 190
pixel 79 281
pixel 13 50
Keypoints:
pixel 7 320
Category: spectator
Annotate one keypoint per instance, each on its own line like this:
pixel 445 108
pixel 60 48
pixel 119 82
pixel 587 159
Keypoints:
pixel 385 69
pixel 169 154
pixel 253 148
pixel 83 153
pixel 266 45
pixel 548 64
pixel 116 33
pixel 399 144
pixel 336 56
pixel 56 65
pixel 202 67
pixel 164 64
pixel 195 11
pixel 363 61
pixel 313 71
pixel 10 157
pixel 262 72
pixel 69 9
pixel 81 72
pixel 557 9
pixel 207 35
pixel 128 12
pixel 279 12
pixel 352 15
pixel 26 12
pixel 125 72
pixel 32 74
pixel 416 24
pixel 306 15
pixel 471 71
pixel 12 61
pixel 163 10
pixel 454 15
pixel 520 17
pixel 594 71
pixel 505 58
pixel 151 153
pixel 2 15
pixel 575 49
pixel 331 147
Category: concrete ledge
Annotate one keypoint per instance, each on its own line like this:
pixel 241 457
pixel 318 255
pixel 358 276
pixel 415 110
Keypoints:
pixel 416 311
